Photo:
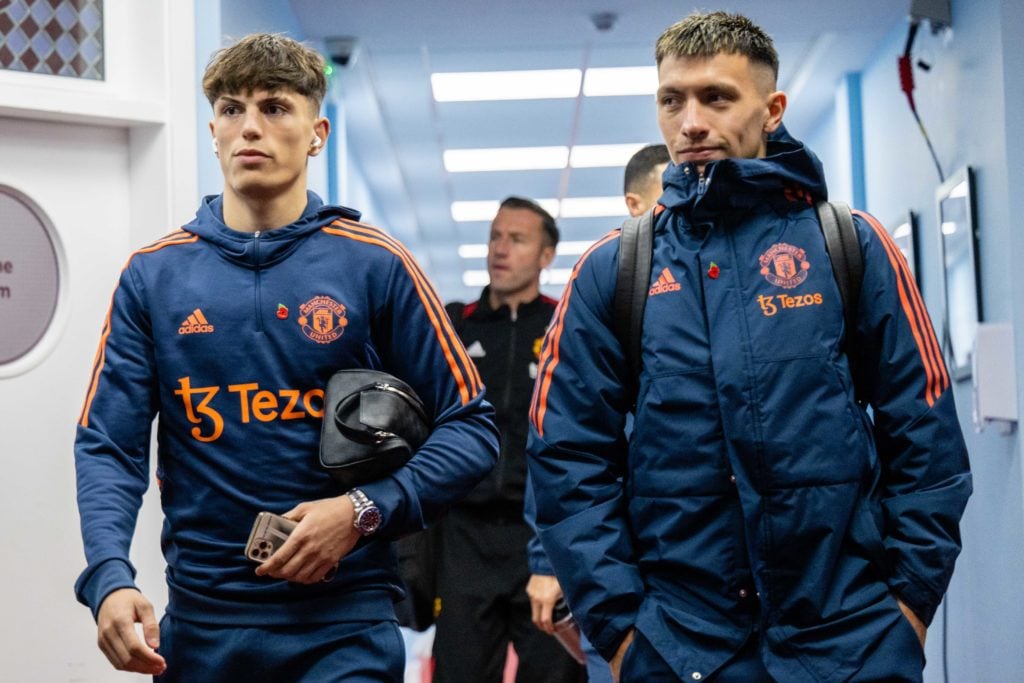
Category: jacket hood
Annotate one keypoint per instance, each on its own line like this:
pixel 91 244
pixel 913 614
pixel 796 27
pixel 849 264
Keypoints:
pixel 788 168
pixel 269 246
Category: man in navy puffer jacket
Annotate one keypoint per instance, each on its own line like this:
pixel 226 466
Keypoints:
pixel 758 524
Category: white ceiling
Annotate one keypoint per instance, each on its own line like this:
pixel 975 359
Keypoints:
pixel 398 132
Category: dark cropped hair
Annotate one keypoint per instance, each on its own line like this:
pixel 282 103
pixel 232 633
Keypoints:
pixel 642 164
pixel 706 35
pixel 547 220
pixel 266 61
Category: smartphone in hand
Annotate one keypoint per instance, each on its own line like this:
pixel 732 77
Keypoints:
pixel 269 532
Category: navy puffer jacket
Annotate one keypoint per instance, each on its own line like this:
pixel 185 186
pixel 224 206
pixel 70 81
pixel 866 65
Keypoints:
pixel 754 495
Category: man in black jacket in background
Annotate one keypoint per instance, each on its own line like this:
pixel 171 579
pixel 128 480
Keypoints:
pixel 482 570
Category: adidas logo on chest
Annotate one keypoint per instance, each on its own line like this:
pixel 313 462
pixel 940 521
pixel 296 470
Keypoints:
pixel 666 283
pixel 195 323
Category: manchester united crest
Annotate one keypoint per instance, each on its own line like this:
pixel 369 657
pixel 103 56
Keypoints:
pixel 784 265
pixel 322 319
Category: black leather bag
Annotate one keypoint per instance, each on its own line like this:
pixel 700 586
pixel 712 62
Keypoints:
pixel 373 423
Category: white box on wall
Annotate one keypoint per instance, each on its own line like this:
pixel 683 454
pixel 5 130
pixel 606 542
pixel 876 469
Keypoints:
pixel 995 376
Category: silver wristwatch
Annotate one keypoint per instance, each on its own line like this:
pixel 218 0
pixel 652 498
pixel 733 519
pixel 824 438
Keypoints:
pixel 367 515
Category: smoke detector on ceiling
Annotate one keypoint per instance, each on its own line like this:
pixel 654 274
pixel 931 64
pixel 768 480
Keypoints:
pixel 604 21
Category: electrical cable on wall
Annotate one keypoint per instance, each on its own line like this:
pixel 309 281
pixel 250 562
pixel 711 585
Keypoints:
pixel 907 86
pixel 906 71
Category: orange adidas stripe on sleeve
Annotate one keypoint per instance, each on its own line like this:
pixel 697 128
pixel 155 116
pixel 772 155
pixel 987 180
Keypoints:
pixel 97 367
pixel 461 366
pixel 463 370
pixel 169 237
pixel 937 379
pixel 175 238
pixel 417 272
pixel 549 354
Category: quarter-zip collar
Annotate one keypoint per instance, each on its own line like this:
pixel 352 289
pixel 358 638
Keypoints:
pixel 267 247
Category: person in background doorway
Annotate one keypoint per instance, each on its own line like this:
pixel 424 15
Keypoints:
pixel 487 593
pixel 759 523
pixel 227 331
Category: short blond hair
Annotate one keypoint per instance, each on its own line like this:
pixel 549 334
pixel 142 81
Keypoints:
pixel 266 61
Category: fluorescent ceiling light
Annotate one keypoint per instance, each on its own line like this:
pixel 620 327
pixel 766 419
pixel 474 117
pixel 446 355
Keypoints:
pixel 536 158
pixel 595 156
pixel 570 207
pixel 551 276
pixel 549 205
pixel 505 159
pixel 571 248
pixel 477 86
pixel 467 211
pixel 593 207
pixel 543 84
pixel 474 211
pixel 473 251
pixel 475 278
pixel 622 80
pixel 555 276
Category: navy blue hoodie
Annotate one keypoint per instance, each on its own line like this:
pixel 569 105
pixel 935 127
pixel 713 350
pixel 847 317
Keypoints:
pixel 229 338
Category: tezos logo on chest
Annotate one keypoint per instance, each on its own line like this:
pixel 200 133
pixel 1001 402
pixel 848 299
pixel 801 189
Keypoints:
pixel 784 265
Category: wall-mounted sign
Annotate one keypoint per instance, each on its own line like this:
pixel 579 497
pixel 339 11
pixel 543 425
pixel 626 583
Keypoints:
pixel 30 276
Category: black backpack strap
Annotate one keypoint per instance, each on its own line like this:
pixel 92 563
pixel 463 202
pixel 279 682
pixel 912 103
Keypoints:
pixel 848 269
pixel 636 248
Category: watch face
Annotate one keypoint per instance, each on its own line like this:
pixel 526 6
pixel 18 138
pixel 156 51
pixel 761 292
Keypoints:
pixel 369 520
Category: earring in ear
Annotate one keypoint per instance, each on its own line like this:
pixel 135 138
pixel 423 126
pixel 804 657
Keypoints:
pixel 216 147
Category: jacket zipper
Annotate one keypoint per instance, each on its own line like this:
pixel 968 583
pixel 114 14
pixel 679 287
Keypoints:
pixel 506 394
pixel 256 251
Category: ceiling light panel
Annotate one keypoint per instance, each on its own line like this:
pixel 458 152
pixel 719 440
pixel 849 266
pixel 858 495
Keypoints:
pixel 570 207
pixel 538 158
pixel 592 207
pixel 621 80
pixel 548 276
pixel 573 247
pixel 564 248
pixel 599 156
pixel 555 276
pixel 475 278
pixel 505 159
pixel 465 211
pixel 470 251
pixel 479 86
